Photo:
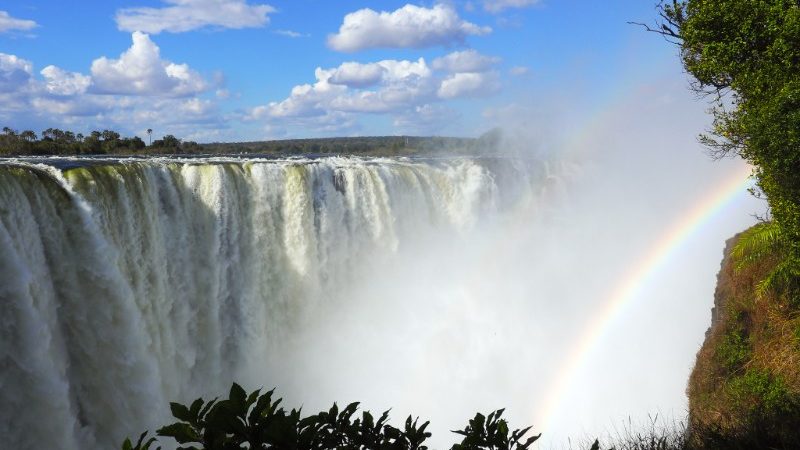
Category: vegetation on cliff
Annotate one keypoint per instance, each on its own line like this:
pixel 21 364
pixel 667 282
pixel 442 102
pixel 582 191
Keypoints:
pixel 746 381
pixel 745 57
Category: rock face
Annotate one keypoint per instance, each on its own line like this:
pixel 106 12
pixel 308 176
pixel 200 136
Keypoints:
pixel 746 380
pixel 723 286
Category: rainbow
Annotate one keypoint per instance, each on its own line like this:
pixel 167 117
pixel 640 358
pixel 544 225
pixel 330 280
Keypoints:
pixel 632 284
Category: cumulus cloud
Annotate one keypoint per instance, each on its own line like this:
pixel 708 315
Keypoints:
pixel 187 15
pixel 141 71
pixel 395 85
pixel 61 82
pixel 464 61
pixel 15 73
pixel 69 108
pixel 305 99
pixel 469 84
pixel 410 91
pixel 358 75
pixel 147 91
pixel 496 6
pixel 8 23
pixel 408 27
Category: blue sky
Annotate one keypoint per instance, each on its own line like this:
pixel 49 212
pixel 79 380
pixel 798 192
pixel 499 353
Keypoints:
pixel 228 70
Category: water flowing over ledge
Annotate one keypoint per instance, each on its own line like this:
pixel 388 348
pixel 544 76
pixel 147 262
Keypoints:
pixel 127 283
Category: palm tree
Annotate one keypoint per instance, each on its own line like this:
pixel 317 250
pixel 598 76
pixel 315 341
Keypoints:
pixel 28 135
pixel 760 242
pixel 150 135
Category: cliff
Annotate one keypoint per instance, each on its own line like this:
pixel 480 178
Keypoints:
pixel 746 381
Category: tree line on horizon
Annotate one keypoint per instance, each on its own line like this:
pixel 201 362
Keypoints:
pixel 54 141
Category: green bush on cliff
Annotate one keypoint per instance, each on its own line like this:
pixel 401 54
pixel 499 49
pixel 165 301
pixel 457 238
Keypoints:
pixel 761 393
pixel 766 242
pixel 734 350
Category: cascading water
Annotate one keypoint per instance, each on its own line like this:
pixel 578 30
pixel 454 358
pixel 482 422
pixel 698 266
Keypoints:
pixel 126 284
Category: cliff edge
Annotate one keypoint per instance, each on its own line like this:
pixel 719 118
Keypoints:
pixel 746 380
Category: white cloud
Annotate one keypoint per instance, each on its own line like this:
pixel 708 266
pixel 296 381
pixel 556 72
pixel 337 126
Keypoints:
pixel 292 34
pixel 464 61
pixel 15 73
pixel 469 84
pixel 186 15
pixel 410 91
pixel 306 99
pixel 425 119
pixel 70 99
pixel 496 6
pixel 8 23
pixel 61 82
pixel 141 71
pixel 408 27
pixel 397 85
pixel 63 108
pixel 519 70
pixel 358 75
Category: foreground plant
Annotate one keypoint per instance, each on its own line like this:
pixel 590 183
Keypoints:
pixel 256 421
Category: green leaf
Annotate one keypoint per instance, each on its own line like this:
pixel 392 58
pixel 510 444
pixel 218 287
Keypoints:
pixel 197 405
pixel 181 412
pixel 238 398
pixel 181 432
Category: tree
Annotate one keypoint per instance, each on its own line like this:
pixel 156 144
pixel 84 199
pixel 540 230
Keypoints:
pixel 257 421
pixel 92 143
pixel 171 141
pixel 110 135
pixel 191 147
pixel 28 135
pixel 745 57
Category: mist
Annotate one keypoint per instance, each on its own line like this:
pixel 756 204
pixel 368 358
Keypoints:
pixel 436 287
pixel 454 323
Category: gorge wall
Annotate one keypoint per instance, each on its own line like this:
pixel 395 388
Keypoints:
pixel 745 385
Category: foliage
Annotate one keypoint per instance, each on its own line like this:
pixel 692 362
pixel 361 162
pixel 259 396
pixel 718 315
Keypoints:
pixel 745 55
pixel 761 393
pixel 366 145
pixel 766 240
pixel 744 390
pixel 59 142
pixel 734 350
pixel 257 421
pixel 492 433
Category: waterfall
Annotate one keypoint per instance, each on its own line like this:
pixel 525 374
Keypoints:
pixel 126 284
